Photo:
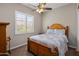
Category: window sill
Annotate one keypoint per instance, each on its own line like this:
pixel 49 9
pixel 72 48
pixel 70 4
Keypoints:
pixel 24 34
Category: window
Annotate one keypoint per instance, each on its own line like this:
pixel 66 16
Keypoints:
pixel 30 24
pixel 23 23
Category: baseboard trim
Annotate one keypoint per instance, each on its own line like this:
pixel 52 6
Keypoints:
pixel 12 48
pixel 77 50
pixel 72 46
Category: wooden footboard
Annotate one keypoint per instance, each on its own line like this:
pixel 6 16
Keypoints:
pixel 40 50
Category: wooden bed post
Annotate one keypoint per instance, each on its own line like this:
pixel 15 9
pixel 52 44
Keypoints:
pixel 28 44
pixel 67 31
pixel 47 27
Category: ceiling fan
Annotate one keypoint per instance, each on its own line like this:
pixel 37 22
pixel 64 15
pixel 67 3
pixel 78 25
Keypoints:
pixel 41 7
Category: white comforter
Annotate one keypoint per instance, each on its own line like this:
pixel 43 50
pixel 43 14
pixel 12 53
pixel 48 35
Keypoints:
pixel 59 41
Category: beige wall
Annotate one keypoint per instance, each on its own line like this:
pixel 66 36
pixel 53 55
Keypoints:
pixel 65 15
pixel 7 14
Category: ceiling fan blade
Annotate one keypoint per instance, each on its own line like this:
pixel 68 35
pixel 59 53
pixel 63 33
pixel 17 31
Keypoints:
pixel 48 8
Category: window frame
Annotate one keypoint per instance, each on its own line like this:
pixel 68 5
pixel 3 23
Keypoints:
pixel 26 24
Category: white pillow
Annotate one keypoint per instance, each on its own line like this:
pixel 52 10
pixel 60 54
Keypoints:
pixel 50 31
pixel 59 31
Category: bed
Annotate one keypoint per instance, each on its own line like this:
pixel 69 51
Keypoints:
pixel 49 44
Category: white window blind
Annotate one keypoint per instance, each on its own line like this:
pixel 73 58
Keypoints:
pixel 23 23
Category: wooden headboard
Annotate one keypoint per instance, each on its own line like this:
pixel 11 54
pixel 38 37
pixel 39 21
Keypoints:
pixel 59 26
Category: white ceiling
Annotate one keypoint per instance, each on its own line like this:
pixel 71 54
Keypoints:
pixel 52 5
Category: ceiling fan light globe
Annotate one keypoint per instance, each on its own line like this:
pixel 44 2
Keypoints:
pixel 37 10
pixel 42 10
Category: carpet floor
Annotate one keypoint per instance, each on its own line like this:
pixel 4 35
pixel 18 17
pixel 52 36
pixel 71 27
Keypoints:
pixel 22 51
